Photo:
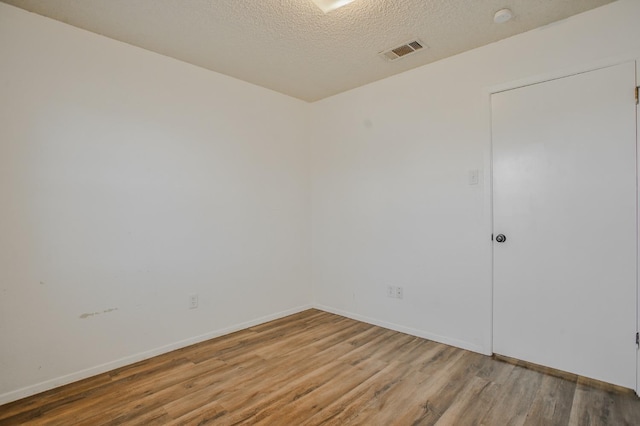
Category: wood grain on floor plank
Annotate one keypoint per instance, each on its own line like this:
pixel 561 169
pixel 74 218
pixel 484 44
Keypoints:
pixel 316 368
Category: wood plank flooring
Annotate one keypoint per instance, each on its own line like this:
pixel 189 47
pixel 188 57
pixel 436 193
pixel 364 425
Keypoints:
pixel 317 368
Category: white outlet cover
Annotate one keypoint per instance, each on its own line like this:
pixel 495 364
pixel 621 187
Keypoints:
pixel 399 292
pixel 193 301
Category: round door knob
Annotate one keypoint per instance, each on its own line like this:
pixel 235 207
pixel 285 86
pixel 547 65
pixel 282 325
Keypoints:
pixel 501 238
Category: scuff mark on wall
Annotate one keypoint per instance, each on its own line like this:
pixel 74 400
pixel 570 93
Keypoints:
pixel 91 314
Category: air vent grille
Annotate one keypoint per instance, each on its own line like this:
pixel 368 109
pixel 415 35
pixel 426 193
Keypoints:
pixel 402 50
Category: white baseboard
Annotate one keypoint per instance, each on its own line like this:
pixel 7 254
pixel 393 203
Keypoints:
pixel 103 368
pixel 408 330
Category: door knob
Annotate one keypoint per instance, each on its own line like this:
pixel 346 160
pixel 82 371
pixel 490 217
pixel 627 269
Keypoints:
pixel 501 238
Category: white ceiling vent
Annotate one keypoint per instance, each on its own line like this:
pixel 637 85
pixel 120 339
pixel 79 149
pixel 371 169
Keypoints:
pixel 403 50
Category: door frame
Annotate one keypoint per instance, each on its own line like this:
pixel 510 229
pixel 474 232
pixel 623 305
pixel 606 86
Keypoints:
pixel 488 164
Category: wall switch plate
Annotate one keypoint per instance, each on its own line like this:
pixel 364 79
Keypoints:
pixel 474 177
pixel 193 301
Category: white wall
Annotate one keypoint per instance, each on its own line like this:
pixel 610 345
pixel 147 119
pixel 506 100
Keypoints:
pixel 391 200
pixel 129 180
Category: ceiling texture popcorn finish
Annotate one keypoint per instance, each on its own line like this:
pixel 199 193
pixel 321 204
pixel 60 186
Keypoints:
pixel 292 46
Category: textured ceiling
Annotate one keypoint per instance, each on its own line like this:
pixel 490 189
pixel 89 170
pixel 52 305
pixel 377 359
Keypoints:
pixel 291 46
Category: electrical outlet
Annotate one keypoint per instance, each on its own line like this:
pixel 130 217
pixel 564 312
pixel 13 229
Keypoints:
pixel 193 301
pixel 399 292
pixel 391 291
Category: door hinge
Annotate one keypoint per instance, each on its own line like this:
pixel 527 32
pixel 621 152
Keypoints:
pixel 638 339
pixel 637 95
pixel 491 237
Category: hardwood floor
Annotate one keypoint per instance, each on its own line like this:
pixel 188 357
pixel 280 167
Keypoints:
pixel 317 368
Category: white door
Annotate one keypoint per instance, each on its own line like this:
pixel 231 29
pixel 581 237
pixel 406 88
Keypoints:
pixel 564 196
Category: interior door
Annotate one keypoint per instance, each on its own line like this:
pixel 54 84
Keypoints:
pixel 564 198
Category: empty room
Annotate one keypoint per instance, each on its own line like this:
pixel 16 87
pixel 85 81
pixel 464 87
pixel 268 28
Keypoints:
pixel 319 212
